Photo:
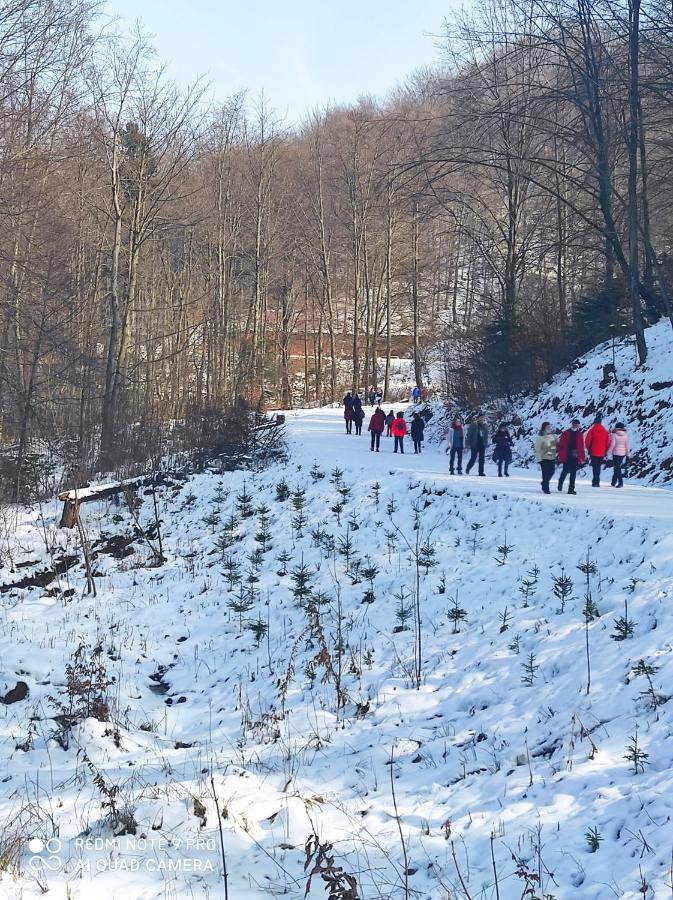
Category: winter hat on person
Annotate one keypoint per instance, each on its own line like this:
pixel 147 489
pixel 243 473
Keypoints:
pixel 620 425
pixel 598 418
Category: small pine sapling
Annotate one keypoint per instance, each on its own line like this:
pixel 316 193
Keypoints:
pixel 302 579
pixel 504 550
pixel 624 627
pixel 344 492
pixel 219 497
pixel 316 473
pixel 653 699
pixel 299 523
pixel 320 598
pixel 476 540
pixel 353 523
pixel 456 614
pixel 244 503
pixel 635 754
pixel 441 587
pixel 251 577
pixel 505 619
pixel 282 491
pixel 391 507
pixel 337 509
pixel 369 573
pixel 588 568
pixel 515 645
pixel 259 629
pixel 299 499
pixel 403 611
pixel 426 556
pixel 530 668
pixel 528 585
pixel 212 520
pixel 284 558
pixel 264 535
pixel 231 571
pixel 241 604
pixel 562 589
pixel 376 493
pixel 336 476
pixel 346 548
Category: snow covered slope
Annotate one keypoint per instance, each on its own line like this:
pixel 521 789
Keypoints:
pixel 642 398
pixel 301 713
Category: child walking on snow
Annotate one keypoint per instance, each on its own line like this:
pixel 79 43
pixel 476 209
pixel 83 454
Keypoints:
pixel 399 429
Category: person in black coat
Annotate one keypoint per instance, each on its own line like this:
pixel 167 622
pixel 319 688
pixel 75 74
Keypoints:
pixel 502 454
pixel 417 429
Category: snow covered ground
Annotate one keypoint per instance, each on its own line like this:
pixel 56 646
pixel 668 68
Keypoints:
pixel 271 661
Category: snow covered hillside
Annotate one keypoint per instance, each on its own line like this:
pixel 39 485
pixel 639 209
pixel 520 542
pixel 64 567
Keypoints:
pixel 518 745
pixel 642 398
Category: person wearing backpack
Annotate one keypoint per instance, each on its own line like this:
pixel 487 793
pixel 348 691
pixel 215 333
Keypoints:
pixel 417 429
pixel 376 425
pixel 390 418
pixel 546 447
pixel 399 429
pixel 620 447
pixel 597 445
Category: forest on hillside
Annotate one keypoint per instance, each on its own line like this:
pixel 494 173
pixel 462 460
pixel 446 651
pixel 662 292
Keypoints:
pixel 160 257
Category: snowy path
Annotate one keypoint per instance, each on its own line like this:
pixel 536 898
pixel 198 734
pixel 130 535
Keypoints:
pixel 315 434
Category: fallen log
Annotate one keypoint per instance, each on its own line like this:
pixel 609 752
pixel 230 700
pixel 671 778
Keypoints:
pixel 74 498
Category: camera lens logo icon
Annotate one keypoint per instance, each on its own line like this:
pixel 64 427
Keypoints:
pixel 44 854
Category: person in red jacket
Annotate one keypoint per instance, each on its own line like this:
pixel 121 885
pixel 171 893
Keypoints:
pixel 399 429
pixel 571 454
pixel 376 425
pixel 597 444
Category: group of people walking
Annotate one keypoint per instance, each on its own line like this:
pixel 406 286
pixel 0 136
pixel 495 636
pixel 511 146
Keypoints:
pixel 394 424
pixel 570 449
pixel 476 439
pixel 573 447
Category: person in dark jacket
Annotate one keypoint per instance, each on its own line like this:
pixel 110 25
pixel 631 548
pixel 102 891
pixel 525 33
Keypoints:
pixel 390 418
pixel 358 417
pixel 348 411
pixel 417 429
pixel 571 454
pixel 399 429
pixel 503 449
pixel 476 442
pixel 376 425
pixel 455 445
pixel 597 444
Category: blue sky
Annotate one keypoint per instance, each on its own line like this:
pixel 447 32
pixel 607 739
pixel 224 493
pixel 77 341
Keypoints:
pixel 302 54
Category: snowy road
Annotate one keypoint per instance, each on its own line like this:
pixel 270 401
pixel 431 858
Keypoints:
pixel 319 434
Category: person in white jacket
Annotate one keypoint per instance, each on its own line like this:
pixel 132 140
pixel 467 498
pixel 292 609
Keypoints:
pixel 620 447
pixel 546 448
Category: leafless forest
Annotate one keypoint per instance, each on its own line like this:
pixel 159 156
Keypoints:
pixel 161 260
